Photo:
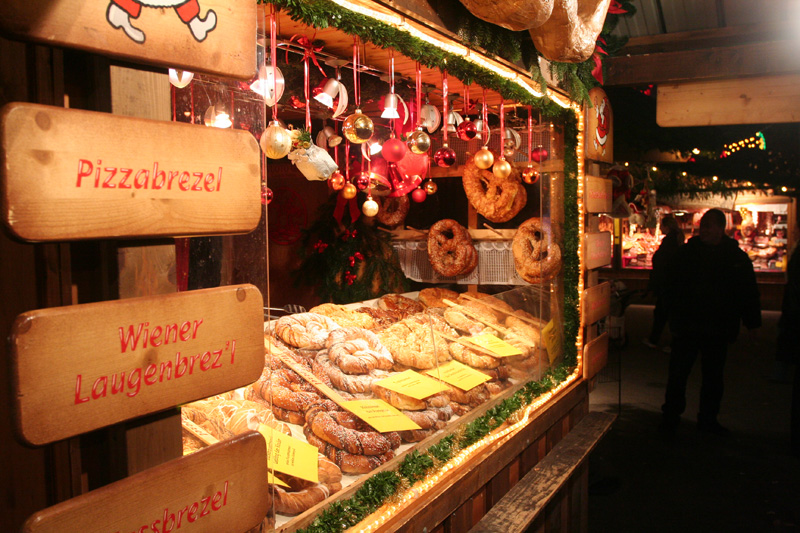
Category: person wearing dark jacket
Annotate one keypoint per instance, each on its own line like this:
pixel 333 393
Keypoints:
pixel 712 290
pixel 788 341
pixel 662 264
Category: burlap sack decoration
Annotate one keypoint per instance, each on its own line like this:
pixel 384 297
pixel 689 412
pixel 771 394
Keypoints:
pixel 570 34
pixel 315 163
pixel 515 15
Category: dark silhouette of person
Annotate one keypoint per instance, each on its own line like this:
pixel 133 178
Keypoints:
pixel 662 263
pixel 788 341
pixel 712 291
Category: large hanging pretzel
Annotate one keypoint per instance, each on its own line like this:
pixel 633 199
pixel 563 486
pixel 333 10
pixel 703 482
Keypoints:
pixel 497 199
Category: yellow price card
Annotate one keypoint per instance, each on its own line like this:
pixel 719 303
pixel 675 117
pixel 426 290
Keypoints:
pixel 551 337
pixel 380 415
pixel 274 480
pixel 497 346
pixel 412 384
pixel 459 375
pixel 289 455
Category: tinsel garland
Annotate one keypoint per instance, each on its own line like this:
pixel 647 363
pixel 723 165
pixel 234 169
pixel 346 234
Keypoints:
pixel 381 487
pixel 349 262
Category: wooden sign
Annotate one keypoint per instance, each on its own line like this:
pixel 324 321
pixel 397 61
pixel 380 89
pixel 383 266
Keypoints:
pixel 70 174
pixel 595 356
pixel 219 488
pixel 597 195
pixel 597 249
pixel 213 36
pixel 596 303
pixel 599 128
pixel 83 367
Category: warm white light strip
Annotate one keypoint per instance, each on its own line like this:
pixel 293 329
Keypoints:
pixel 581 229
pixel 402 24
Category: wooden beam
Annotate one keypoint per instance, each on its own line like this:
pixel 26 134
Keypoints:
pixel 746 60
pixel 774 99
pixel 709 38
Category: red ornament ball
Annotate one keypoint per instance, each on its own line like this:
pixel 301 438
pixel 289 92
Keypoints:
pixel 337 181
pixel 266 195
pixel 467 130
pixel 538 154
pixel 362 181
pixel 419 195
pixel 393 150
pixel 445 156
pixel 530 175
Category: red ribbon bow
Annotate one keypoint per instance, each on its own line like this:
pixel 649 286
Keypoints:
pixel 597 71
pixel 616 8
pixel 310 50
pixel 355 257
pixel 320 246
pixel 349 278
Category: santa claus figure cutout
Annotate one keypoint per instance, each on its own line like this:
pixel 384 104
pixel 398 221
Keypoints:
pixel 599 144
pixel 120 13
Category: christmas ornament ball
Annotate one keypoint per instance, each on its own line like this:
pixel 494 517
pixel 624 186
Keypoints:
pixel 502 169
pixel 349 191
pixel 467 130
pixel 484 159
pixel 538 154
pixel 430 187
pixel 358 127
pixel 393 150
pixel 370 207
pixel 530 175
pixel 419 195
pixel 337 181
pixel 419 142
pixel 276 141
pixel 445 156
pixel 266 195
pixel 362 181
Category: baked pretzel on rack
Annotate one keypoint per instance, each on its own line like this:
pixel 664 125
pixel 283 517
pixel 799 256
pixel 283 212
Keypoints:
pixel 536 257
pixel 450 249
pixel 392 210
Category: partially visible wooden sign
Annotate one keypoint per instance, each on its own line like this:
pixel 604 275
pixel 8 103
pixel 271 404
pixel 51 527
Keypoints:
pixel 595 356
pixel 83 367
pixel 597 195
pixel 597 249
pixel 70 174
pixel 596 303
pixel 219 488
pixel 599 128
pixel 213 36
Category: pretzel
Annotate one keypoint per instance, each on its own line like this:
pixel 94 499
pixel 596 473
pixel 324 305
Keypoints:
pixel 392 210
pixel 304 330
pixel 350 440
pixel 449 245
pixel 348 462
pixel 357 351
pixel 536 257
pixel 497 199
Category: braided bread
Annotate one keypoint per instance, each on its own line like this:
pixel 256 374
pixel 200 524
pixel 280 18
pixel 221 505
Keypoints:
pixel 471 357
pixel 344 316
pixel 304 330
pixel 412 344
pixel 496 387
pixel 465 324
pixel 348 462
pixel 382 317
pixel 352 383
pixel 399 303
pixel 357 351
pixel 472 397
pixel 431 417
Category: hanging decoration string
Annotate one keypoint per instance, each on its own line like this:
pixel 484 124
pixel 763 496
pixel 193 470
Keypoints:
pixel 466 100
pixel 485 115
pixel 419 93
pixel 273 53
pixel 444 107
pixel 530 134
pixel 356 85
pixel 502 128
pixel 391 85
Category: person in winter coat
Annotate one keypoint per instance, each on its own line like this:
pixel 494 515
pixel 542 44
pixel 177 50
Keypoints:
pixel 788 341
pixel 662 264
pixel 712 290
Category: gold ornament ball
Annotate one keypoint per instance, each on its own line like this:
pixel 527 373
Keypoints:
pixel 276 141
pixel 370 207
pixel 431 187
pixel 419 142
pixel 484 159
pixel 349 191
pixel 502 169
pixel 358 128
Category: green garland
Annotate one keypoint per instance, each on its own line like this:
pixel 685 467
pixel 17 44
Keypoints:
pixel 572 268
pixel 348 262
pixel 381 487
